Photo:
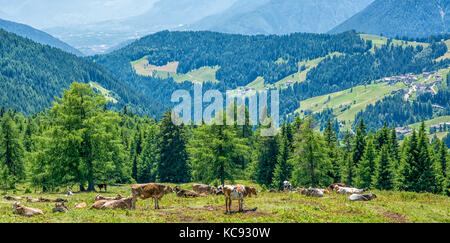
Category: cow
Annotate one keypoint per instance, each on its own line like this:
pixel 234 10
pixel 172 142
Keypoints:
pixel 41 199
pixel 315 192
pixel 204 189
pixel 185 193
pixel 80 205
pixel 25 211
pixel 151 190
pixel 60 208
pixel 249 191
pixel 287 186
pixel 231 193
pixel 124 203
pixel 11 198
pixel 349 190
pixel 335 186
pixel 100 197
pixel 98 204
pixel 302 190
pixel 359 197
pixel 102 186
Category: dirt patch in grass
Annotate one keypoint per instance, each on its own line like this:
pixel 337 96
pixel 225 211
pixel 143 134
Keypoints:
pixel 299 201
pixel 393 216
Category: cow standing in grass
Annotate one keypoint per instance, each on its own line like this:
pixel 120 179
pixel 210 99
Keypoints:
pixel 151 190
pixel 231 193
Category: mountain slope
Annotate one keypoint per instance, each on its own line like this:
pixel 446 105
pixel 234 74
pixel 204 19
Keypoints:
pixel 31 75
pixel 281 16
pixel 37 36
pixel 411 18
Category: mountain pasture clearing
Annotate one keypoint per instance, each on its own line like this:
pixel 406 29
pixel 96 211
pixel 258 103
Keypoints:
pixel 389 207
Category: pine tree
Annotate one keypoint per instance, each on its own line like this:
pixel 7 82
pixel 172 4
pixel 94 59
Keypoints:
pixel 173 160
pixel 384 176
pixel 266 154
pixel 312 167
pixel 348 169
pixel 360 142
pixel 333 152
pixel 282 169
pixel 82 143
pixel 11 148
pixel 366 169
pixel 426 181
pixel 409 172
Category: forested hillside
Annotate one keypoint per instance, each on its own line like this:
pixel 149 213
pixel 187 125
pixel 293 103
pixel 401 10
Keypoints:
pixel 409 18
pixel 31 75
pixel 37 36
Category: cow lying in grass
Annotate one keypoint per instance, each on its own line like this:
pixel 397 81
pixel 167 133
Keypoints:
pixel 80 205
pixel 359 197
pixel 185 193
pixel 206 189
pixel 316 192
pixel 151 190
pixel 60 208
pixel 231 193
pixel 25 211
pixel 123 203
pixel 335 186
pixel 41 199
pixel 349 190
pixel 100 197
pixel 11 198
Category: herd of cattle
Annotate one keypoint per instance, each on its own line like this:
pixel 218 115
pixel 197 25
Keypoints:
pixel 157 191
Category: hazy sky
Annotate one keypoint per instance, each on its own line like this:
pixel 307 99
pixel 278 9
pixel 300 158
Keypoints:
pixel 51 13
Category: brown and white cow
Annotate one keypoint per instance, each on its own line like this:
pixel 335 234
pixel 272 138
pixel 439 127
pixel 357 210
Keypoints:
pixel 350 190
pixel 25 211
pixel 204 189
pixel 231 193
pixel 60 208
pixel 124 203
pixel 335 186
pixel 151 190
pixel 249 191
pixel 100 197
pixel 185 193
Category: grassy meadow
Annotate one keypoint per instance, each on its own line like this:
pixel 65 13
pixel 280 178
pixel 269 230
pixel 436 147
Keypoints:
pixel 389 207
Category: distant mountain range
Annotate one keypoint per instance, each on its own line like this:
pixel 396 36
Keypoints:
pixel 281 16
pixel 411 18
pixel 37 36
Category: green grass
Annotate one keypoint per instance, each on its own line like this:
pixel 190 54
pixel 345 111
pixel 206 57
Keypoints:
pixel 107 93
pixel 354 101
pixel 300 76
pixel 378 41
pixel 203 74
pixel 271 207
pixel 436 120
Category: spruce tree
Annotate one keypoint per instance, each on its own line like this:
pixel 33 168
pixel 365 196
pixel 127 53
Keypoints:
pixel 384 176
pixel 173 159
pixel 333 151
pixel 360 142
pixel 282 169
pixel 426 180
pixel 366 169
pixel 11 148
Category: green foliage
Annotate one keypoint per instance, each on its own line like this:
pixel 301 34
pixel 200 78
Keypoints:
pixel 173 158
pixel 311 164
pixel 366 169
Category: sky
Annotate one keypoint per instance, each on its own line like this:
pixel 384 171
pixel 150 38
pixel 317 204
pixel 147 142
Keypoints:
pixel 44 14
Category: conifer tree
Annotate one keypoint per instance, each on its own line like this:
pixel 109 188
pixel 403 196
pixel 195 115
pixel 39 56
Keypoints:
pixel 360 142
pixel 384 176
pixel 333 152
pixel 173 157
pixel 11 148
pixel 282 169
pixel 367 167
